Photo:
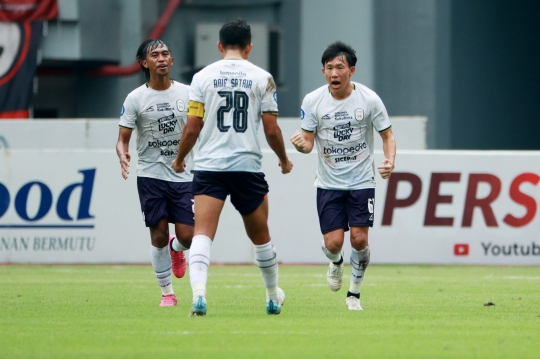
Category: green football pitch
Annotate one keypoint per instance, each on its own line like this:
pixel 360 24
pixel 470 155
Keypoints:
pixel 108 311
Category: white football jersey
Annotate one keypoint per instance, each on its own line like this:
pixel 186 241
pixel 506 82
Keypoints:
pixel 159 117
pixel 344 135
pixel 235 93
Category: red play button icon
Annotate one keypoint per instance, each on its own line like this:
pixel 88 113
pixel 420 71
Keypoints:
pixel 461 249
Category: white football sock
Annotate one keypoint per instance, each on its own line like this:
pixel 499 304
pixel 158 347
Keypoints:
pixel 334 257
pixel 177 246
pixel 265 257
pixel 359 263
pixel 199 260
pixel 161 262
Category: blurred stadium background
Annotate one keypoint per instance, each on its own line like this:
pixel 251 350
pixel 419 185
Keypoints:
pixel 453 74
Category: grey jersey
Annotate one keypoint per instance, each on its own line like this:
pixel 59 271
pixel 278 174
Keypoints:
pixel 344 135
pixel 235 93
pixel 159 117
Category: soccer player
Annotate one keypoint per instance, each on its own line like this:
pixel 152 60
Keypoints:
pixel 158 110
pixel 230 98
pixel 340 117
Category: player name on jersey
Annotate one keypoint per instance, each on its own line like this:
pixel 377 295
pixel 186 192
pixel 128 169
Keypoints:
pixel 233 83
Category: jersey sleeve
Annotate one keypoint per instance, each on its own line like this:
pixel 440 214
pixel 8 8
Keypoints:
pixel 308 116
pixel 128 115
pixel 379 116
pixel 269 97
pixel 195 89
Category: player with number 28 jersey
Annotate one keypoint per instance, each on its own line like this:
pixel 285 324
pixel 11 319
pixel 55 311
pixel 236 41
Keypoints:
pixel 228 101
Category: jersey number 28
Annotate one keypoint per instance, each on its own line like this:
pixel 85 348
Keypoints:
pixel 238 102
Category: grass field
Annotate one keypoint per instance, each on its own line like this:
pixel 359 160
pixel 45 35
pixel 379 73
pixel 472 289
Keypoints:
pixel 409 312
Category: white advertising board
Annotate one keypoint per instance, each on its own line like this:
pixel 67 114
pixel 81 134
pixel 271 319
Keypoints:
pixel 439 207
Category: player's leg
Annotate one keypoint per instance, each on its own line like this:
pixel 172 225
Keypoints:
pixel 256 224
pixel 154 209
pixel 333 222
pixel 361 211
pixel 359 261
pixel 249 196
pixel 207 211
pixel 210 196
pixel 180 207
pixel 332 247
pixel 161 261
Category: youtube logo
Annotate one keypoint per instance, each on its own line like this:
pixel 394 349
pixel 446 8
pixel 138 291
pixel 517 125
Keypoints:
pixel 461 249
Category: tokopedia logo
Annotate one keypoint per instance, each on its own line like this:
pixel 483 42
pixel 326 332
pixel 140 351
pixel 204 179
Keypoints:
pixel 166 143
pixel 46 201
pixel 343 150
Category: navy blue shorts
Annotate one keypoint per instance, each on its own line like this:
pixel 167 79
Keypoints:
pixel 163 199
pixel 247 189
pixel 340 209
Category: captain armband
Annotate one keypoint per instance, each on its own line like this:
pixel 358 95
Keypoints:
pixel 196 109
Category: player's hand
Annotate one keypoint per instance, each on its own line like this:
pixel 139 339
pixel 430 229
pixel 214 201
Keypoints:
pixel 298 141
pixel 286 167
pixel 124 164
pixel 386 169
pixel 178 166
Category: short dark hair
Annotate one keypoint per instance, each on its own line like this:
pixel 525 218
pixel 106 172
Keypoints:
pixel 146 47
pixel 235 33
pixel 339 48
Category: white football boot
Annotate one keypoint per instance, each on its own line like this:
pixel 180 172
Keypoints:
pixel 334 276
pixel 353 303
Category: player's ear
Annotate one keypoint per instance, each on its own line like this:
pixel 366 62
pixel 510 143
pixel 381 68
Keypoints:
pixel 353 69
pixel 248 49
pixel 220 47
pixel 144 63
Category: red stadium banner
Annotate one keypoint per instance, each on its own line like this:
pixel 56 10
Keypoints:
pixel 28 10
pixel 19 43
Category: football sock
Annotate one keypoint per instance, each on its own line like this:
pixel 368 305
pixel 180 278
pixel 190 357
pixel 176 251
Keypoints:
pixel 177 246
pixel 199 260
pixel 161 262
pixel 265 257
pixel 359 263
pixel 335 258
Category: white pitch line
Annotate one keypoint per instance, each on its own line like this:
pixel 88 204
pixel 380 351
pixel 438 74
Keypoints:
pixel 520 277
pixel 236 333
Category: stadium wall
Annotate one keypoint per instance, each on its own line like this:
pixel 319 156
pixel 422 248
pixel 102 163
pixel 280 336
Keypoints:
pixel 70 205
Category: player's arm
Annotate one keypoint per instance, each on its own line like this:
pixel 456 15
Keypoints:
pixel 389 149
pixel 191 132
pixel 122 149
pixel 303 142
pixel 274 137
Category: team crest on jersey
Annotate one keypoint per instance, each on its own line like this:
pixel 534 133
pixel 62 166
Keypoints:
pixel 325 117
pixel 180 105
pixel 122 111
pixel 359 114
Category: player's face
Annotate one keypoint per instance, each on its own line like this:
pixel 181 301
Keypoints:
pixel 338 73
pixel 159 61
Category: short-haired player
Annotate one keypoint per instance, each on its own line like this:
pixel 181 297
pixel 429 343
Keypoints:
pixel 339 118
pixel 231 97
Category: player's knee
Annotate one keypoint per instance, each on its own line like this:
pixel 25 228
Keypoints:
pixel 160 239
pixel 185 238
pixel 359 241
pixel 334 246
